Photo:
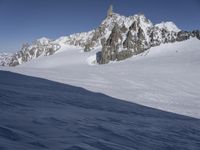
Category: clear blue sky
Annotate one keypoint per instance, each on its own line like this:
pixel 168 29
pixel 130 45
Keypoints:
pixel 26 20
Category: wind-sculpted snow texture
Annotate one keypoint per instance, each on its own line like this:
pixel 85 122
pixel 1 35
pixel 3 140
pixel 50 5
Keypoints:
pixel 41 114
pixel 164 77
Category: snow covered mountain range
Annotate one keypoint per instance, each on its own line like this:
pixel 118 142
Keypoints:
pixel 5 59
pixel 118 37
pixel 59 97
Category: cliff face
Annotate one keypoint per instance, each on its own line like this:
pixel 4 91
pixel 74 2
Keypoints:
pixel 128 39
pixel 5 59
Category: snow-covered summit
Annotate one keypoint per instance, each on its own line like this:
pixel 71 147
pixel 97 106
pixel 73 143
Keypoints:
pixel 118 36
pixel 77 39
pixel 170 26
pixel 43 41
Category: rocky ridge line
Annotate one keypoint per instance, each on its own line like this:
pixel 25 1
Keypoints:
pixel 119 37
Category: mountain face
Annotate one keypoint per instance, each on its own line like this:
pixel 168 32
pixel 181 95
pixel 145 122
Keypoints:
pixel 118 36
pixel 41 47
pixel 5 59
pixel 137 34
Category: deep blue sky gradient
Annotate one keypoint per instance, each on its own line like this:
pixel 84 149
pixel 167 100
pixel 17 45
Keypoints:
pixel 26 20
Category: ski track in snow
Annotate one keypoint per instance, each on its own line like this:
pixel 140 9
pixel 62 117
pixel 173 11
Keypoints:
pixel 165 77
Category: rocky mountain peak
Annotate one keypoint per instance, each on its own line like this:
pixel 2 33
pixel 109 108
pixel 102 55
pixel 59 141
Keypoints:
pixel 110 11
pixel 119 36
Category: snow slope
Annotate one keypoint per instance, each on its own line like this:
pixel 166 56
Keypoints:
pixel 164 77
pixel 38 114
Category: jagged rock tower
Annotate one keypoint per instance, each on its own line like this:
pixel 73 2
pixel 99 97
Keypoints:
pixel 110 11
pixel 119 38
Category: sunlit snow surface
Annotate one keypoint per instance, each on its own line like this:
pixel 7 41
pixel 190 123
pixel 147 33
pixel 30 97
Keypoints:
pixel 164 77
pixel 37 114
pixel 41 114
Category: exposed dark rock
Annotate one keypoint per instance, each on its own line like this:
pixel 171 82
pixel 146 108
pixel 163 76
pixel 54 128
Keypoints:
pixel 111 46
pixel 124 42
pixel 133 44
pixel 196 33
pixel 110 11
pixel 87 47
pixel 29 52
pixel 129 43
pixel 97 34
pixel 183 35
pixel 14 62
pixel 114 37
pixel 124 54
pixel 103 57
pixel 134 26
pixel 141 42
pixel 140 34
pixel 124 29
pixel 90 44
pixel 155 39
pixel 168 37
pixel 120 38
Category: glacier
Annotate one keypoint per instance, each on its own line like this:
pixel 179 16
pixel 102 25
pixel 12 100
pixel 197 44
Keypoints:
pixel 164 77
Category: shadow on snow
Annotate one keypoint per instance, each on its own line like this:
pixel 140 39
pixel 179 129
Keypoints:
pixel 41 114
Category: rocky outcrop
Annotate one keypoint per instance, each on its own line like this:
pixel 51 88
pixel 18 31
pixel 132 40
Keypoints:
pixel 28 52
pixel 124 54
pixel 110 11
pixel 135 42
pixel 183 35
pixel 124 40
pixel 110 46
pixel 196 33
pixel 5 59
pixel 138 36
pixel 119 37
pixel 94 41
